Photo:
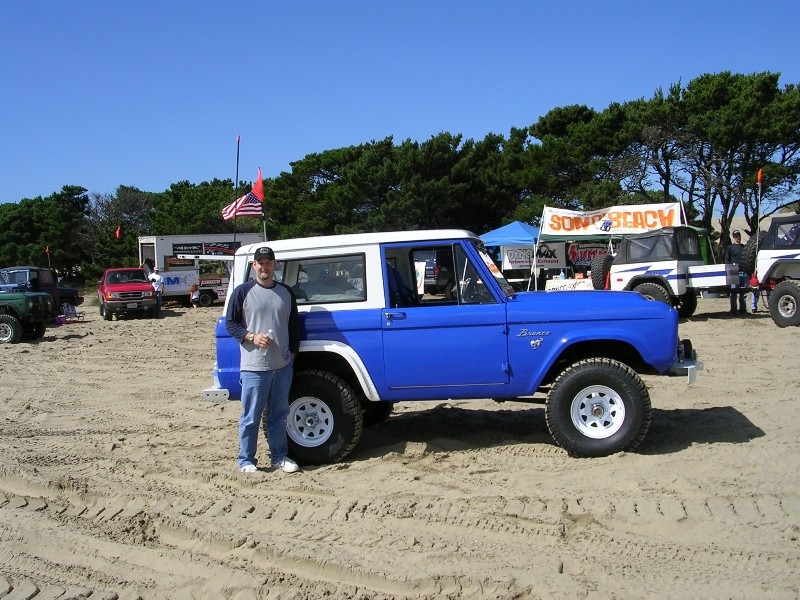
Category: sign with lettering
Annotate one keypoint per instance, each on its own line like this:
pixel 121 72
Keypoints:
pixel 617 220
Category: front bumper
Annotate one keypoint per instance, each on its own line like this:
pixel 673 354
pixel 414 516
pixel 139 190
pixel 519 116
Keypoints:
pixel 686 362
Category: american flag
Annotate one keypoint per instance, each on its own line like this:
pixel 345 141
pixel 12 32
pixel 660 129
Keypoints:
pixel 249 205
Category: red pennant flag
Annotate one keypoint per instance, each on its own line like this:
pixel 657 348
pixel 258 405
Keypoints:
pixel 258 186
pixel 118 234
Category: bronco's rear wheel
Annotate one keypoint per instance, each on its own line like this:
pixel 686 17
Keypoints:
pixel 597 407
pixel 325 420
pixel 784 303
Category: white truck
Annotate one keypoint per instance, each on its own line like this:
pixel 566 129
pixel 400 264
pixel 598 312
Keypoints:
pixel 774 257
pixel 665 265
pixel 201 258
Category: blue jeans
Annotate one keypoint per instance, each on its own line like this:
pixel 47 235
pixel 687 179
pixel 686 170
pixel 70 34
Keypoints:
pixel 264 390
pixel 740 291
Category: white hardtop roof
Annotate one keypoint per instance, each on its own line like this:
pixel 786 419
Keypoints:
pixel 360 239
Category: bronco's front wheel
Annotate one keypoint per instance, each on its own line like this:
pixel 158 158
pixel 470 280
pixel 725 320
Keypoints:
pixel 598 407
pixel 325 420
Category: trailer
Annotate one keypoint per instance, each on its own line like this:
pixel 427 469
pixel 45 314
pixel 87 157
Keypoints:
pixel 203 259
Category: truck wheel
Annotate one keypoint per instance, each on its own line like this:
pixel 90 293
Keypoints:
pixel 10 329
pixel 206 299
pixel 654 291
pixel 784 303
pixel 600 266
pixel 597 407
pixel 34 332
pixel 325 420
pixel 687 304
pixel 104 312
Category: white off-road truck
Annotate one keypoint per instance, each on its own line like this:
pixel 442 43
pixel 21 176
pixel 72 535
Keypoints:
pixel 665 265
pixel 774 257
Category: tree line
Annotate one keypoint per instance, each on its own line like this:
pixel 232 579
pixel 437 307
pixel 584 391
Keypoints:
pixel 702 144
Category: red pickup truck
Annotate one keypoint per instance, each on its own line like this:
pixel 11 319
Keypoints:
pixel 125 290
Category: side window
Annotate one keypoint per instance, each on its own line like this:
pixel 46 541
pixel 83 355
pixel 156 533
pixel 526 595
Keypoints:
pixel 330 279
pixel 448 277
pixel 435 274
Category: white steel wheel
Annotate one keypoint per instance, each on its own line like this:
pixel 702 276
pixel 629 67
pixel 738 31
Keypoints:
pixel 310 422
pixel 597 412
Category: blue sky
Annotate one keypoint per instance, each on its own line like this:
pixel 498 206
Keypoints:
pixel 147 93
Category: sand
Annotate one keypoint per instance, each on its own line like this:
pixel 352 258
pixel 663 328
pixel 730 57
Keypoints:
pixel 117 480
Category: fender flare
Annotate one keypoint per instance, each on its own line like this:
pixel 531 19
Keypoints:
pixel 351 357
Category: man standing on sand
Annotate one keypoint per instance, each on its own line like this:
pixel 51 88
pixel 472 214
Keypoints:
pixel 158 285
pixel 733 255
pixel 262 315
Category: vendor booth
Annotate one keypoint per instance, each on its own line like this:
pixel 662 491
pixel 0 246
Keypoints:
pixel 516 244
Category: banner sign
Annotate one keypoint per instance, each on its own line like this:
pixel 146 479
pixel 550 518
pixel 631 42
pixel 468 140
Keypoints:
pixel 617 220
pixel 516 257
pixel 551 255
pixel 581 254
pixel 548 255
pixel 215 248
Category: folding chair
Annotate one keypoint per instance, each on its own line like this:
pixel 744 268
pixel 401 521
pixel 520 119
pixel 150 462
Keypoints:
pixel 71 313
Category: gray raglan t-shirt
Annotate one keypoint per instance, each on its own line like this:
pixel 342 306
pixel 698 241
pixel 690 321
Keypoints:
pixel 258 309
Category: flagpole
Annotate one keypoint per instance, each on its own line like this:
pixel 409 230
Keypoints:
pixel 236 185
pixel 758 208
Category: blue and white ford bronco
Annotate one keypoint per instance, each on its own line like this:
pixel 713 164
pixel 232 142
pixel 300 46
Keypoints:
pixel 373 334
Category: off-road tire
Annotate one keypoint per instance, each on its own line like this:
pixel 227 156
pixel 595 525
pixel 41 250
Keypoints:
pixel 600 266
pixel 105 313
pixel 687 304
pixel 598 407
pixel 784 303
pixel 34 331
pixel 654 291
pixel 10 329
pixel 325 420
pixel 750 252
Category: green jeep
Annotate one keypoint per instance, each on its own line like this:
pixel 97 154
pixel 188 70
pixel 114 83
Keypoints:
pixel 24 315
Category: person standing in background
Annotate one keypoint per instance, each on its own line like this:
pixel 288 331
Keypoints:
pixel 158 285
pixel 733 255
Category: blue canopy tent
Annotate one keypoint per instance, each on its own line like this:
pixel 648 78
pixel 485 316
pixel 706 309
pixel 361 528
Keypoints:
pixel 518 240
pixel 513 234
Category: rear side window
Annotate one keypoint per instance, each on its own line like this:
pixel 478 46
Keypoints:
pixel 324 280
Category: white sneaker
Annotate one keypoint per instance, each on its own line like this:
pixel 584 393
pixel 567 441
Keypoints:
pixel 248 468
pixel 287 465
